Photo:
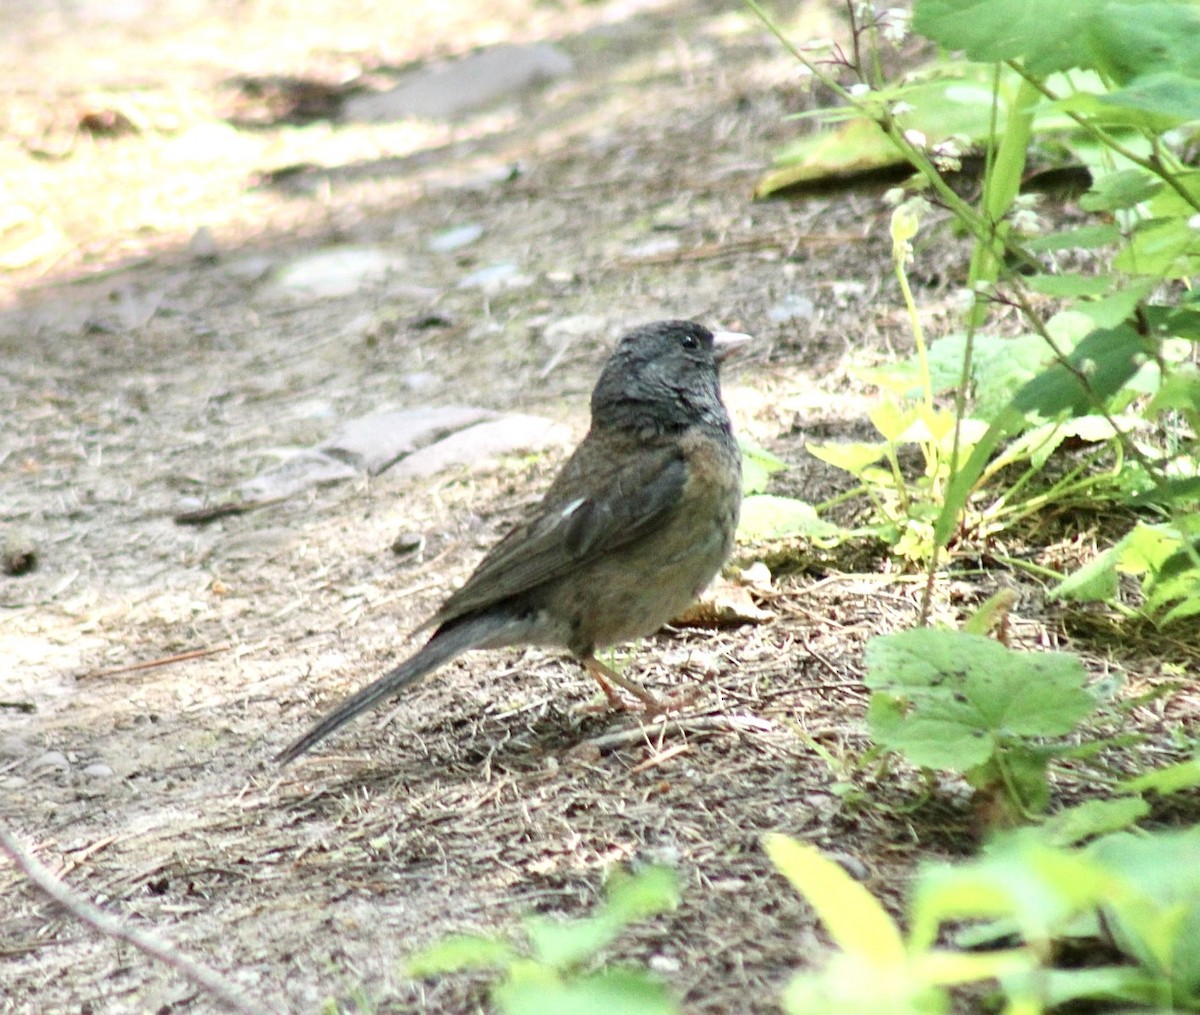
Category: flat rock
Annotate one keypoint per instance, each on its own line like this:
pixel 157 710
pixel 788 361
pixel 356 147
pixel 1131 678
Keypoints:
pixel 451 91
pixel 372 443
pixel 484 443
pixel 336 271
pixel 304 469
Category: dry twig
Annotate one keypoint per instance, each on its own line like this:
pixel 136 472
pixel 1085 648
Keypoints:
pixel 208 980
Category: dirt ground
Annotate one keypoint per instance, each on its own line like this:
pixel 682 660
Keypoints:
pixel 148 365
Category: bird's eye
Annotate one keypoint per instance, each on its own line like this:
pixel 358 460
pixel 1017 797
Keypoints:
pixel 689 342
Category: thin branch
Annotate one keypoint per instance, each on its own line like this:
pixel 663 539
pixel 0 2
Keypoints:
pixel 208 980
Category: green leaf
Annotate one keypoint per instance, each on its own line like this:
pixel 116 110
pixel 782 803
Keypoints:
pixel 1122 189
pixel 1173 778
pixel 566 944
pixel 1105 360
pixel 858 924
pixel 1070 285
pixel 1171 98
pixel 851 458
pixel 769 517
pixel 630 897
pixel 758 465
pixel 1040 888
pixel 609 992
pixel 1094 817
pixel 946 699
pixel 1083 238
pixel 458 952
pixel 1047 35
pixel 1095 582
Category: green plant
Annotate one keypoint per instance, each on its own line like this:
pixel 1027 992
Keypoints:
pixel 1111 321
pixel 555 970
pixel 965 703
pixel 876 968
pixel 1137 893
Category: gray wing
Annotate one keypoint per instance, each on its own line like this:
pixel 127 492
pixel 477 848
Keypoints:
pixel 626 502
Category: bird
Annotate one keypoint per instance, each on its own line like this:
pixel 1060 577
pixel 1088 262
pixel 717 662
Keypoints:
pixel 634 526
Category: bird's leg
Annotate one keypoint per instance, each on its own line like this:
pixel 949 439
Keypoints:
pixel 606 676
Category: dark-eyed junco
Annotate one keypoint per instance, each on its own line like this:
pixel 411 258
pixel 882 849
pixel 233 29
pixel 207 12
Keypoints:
pixel 636 524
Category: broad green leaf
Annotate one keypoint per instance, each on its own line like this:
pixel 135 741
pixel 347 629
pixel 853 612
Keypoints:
pixel 1095 582
pixel 858 924
pixel 458 952
pixel 1122 189
pixel 608 992
pixel 1097 369
pixel 1083 238
pixel 758 465
pixel 1039 887
pixel 1119 305
pixel 1094 817
pixel 851 458
pixel 766 516
pixel 1070 285
pixel 851 985
pixel 629 897
pixel 1166 247
pixel 949 969
pixel 1129 41
pixel 1169 97
pixel 565 944
pixel 890 419
pixel 1046 35
pixel 1173 778
pixel 945 696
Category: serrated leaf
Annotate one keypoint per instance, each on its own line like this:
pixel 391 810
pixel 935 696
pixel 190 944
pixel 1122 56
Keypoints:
pixel 946 696
pixel 856 921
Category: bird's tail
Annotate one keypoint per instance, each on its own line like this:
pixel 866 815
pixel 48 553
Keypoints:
pixel 447 642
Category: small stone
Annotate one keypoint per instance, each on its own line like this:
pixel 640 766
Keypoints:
pixel 18 555
pixel 793 307
pixel 97 770
pixel 456 238
pixel 49 762
pixel 203 245
pixel 494 277
pixel 408 543
pixel 664 964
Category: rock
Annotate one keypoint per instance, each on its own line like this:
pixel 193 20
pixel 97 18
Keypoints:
pixel 485 443
pixel 455 89
pixel 372 443
pixel 337 271
pixel 18 553
pixel 455 239
pixel 495 277
pixel 48 763
pixel 302 470
pixel 792 307
pixel 98 770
